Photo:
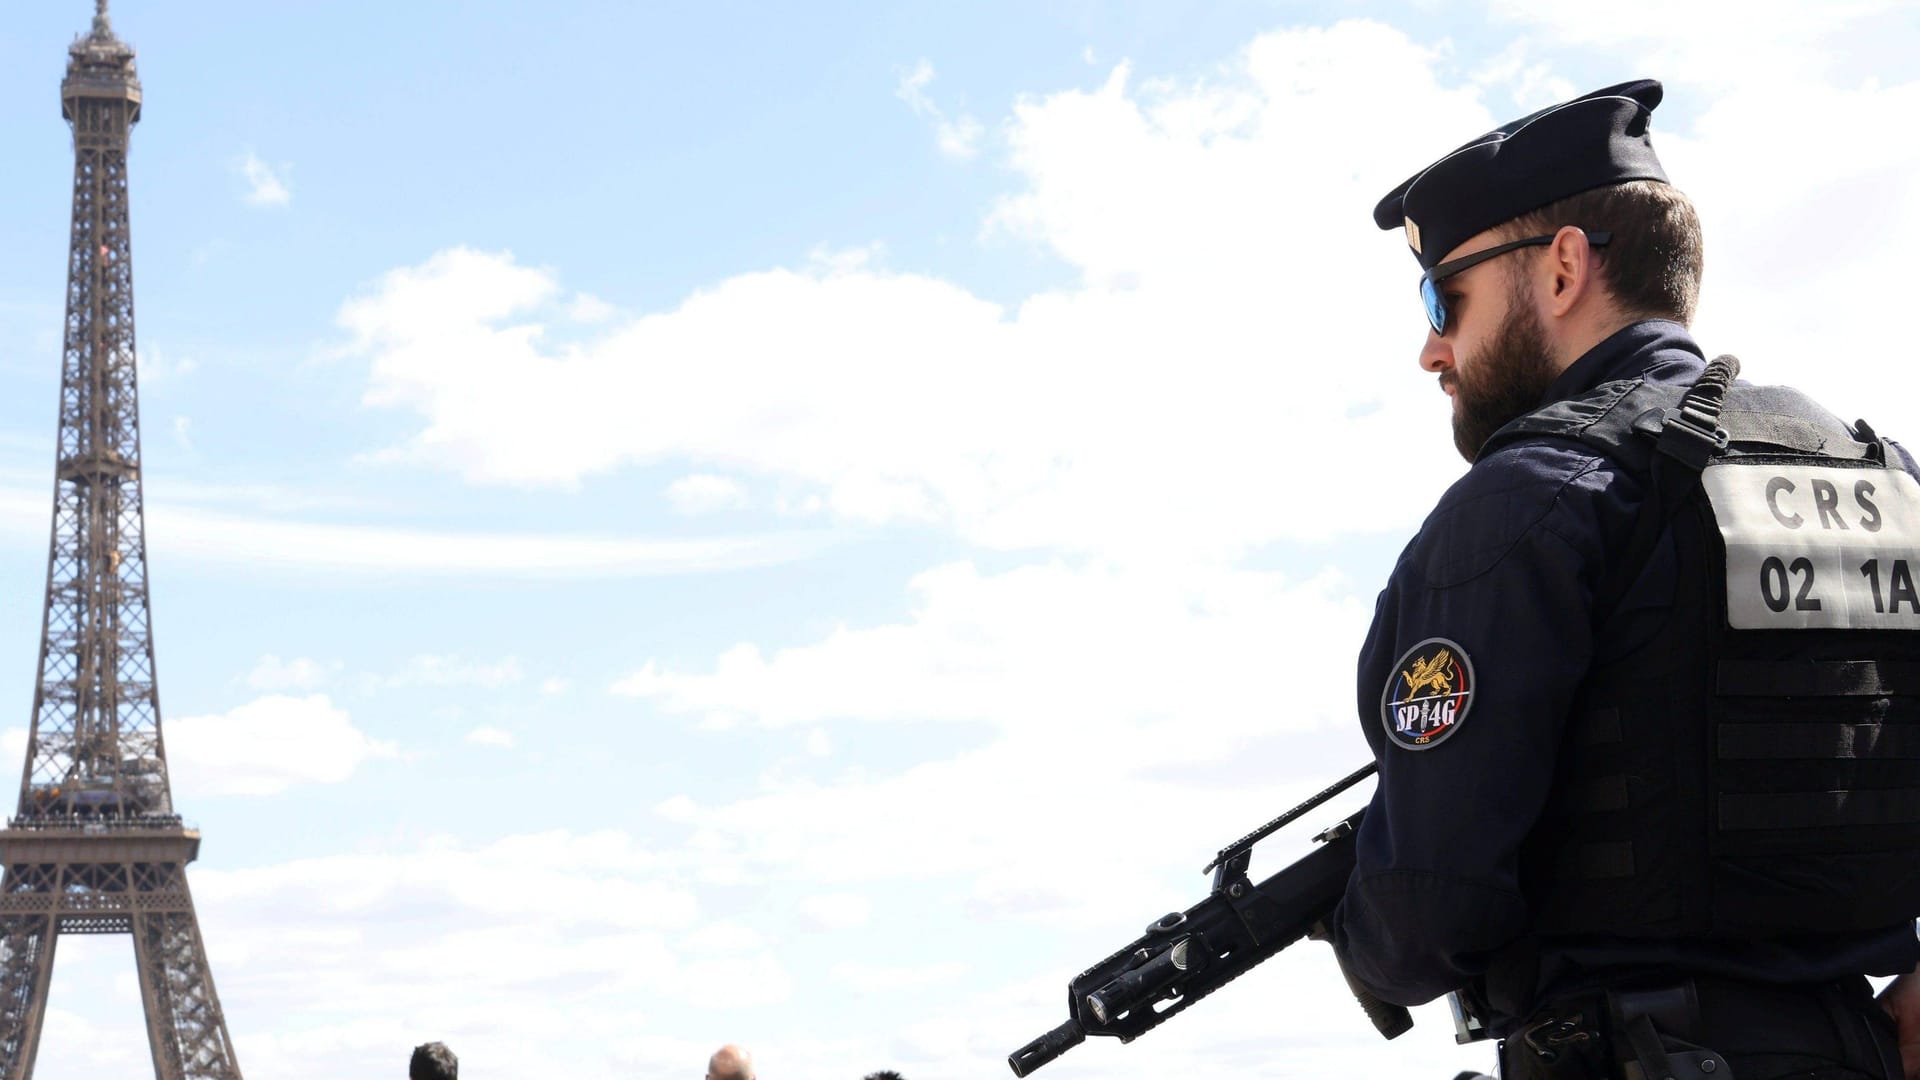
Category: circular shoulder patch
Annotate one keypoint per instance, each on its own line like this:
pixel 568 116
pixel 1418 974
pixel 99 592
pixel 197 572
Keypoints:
pixel 1428 694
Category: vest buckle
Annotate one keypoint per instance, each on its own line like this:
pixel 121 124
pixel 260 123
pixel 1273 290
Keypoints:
pixel 1691 435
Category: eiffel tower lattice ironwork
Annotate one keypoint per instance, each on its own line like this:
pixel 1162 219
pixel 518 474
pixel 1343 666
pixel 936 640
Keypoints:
pixel 96 847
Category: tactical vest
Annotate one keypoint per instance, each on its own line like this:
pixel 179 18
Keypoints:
pixel 1753 770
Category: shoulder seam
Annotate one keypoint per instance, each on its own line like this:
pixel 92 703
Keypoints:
pixel 1593 461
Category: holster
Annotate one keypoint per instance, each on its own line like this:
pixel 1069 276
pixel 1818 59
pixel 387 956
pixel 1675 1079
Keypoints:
pixel 1640 1034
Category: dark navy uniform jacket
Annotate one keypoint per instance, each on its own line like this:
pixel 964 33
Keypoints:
pixel 1506 566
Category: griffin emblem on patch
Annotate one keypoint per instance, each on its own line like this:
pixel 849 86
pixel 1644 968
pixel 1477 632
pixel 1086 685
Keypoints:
pixel 1427 696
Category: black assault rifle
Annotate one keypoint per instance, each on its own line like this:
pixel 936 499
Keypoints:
pixel 1187 955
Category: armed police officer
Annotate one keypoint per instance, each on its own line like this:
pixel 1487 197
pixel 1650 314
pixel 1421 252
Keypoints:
pixel 1644 690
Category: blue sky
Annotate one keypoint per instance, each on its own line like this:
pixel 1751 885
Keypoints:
pixel 665 519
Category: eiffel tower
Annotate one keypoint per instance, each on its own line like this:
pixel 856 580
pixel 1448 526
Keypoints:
pixel 96 847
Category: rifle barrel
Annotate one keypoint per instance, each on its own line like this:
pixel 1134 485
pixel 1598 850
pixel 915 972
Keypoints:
pixel 1046 1047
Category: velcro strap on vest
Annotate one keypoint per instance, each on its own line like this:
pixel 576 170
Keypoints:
pixel 1817 678
pixel 1820 809
pixel 1794 432
pixel 1819 741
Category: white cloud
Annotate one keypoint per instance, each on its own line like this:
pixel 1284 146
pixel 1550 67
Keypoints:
pixel 155 365
pixel 1178 403
pixel 679 808
pixel 913 86
pixel 13 743
pixel 266 746
pixel 1209 698
pixel 725 937
pixel 300 673
pixel 432 670
pixel 819 743
pixel 449 294
pixel 106 1051
pixel 836 911
pixel 266 185
pixel 555 686
pixel 958 137
pixel 491 736
pixel 1779 43
pixel 591 934
pixel 838 261
pixel 1044 648
pixel 704 493
pixel 604 877
pixel 1530 83
pixel 367 948
pixel 182 431
pixel 588 308
pixel 404 553
pixel 883 978
pixel 264 498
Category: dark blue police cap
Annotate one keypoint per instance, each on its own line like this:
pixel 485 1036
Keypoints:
pixel 1589 142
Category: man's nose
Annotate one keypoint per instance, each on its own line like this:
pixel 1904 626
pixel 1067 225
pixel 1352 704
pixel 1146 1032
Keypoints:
pixel 1437 354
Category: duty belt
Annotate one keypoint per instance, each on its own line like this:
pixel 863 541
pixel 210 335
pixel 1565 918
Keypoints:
pixel 1657 1033
pixel 1635 1034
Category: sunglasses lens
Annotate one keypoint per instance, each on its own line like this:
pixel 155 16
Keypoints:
pixel 1436 307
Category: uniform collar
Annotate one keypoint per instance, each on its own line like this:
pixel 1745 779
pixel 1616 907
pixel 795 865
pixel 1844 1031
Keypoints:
pixel 1658 349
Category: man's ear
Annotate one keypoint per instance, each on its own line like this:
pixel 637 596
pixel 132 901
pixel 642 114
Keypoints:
pixel 1570 266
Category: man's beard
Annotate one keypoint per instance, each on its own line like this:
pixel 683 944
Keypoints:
pixel 1505 382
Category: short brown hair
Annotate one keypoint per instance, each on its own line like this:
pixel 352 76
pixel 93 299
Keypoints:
pixel 1652 265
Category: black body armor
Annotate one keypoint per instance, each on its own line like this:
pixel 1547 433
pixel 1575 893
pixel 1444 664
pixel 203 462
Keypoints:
pixel 1753 770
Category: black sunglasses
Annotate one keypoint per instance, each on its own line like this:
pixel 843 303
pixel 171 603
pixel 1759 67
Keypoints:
pixel 1438 316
